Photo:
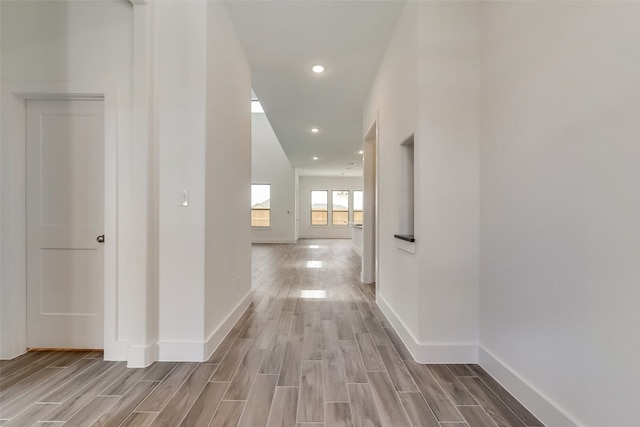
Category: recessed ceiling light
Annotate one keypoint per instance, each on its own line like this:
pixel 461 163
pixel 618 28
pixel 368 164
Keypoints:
pixel 360 152
pixel 315 158
pixel 314 130
pixel 317 69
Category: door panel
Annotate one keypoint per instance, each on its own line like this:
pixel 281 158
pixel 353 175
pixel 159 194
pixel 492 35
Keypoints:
pixel 65 214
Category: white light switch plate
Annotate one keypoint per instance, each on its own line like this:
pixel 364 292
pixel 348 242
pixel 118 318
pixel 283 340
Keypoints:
pixel 183 198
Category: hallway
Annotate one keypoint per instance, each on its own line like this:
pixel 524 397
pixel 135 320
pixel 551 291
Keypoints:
pixel 312 350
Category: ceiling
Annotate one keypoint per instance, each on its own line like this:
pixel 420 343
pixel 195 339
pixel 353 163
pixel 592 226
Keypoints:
pixel 283 40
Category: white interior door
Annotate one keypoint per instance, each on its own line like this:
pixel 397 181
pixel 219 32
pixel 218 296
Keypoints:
pixel 65 215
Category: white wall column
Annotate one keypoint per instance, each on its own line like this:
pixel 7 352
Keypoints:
pixel 138 305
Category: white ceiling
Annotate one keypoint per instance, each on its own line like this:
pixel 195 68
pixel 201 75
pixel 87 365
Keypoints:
pixel 283 40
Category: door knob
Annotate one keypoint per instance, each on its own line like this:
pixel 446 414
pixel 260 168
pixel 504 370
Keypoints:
pixel 100 239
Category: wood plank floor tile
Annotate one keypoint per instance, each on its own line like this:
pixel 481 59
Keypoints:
pixel 231 361
pixel 228 413
pixel 363 409
pixel 139 419
pixel 329 335
pixel 284 323
pixel 71 358
pixel 91 411
pixel 335 382
pixel 337 414
pixel 460 370
pixel 352 361
pixel 378 334
pixel 398 344
pixel 8 367
pixel 344 329
pixel 417 410
pixel 380 316
pixel 312 348
pixel 125 405
pixel 179 405
pixel 284 407
pixel 437 399
pixel 497 410
pixel 521 412
pixel 273 355
pixel 24 372
pixel 370 355
pixel 85 395
pixel 159 371
pixel 476 416
pixel 311 397
pixel 398 372
pixel 387 402
pixel 68 389
pixel 450 384
pixel 296 333
pixel 245 375
pixel 161 395
pixel 256 413
pixel 291 365
pixel 204 408
pixel 32 414
pixel 123 384
pixel 224 346
pixel 29 383
pixel 356 322
pixel 264 338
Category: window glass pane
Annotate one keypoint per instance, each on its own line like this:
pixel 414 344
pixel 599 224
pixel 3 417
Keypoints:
pixel 260 196
pixel 319 201
pixel 261 205
pixel 260 217
pixel 357 207
pixel 340 206
pixel 357 200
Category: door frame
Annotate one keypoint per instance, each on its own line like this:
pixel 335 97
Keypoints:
pixel 13 309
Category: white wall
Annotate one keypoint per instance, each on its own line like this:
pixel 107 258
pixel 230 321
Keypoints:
pixel 180 95
pixel 62 47
pixel 393 100
pixel 270 165
pixel 427 85
pixel 446 156
pixel 308 183
pixel 560 191
pixel 228 178
pixel 203 90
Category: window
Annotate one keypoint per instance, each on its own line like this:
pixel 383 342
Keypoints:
pixel 319 212
pixel 340 207
pixel 357 207
pixel 260 205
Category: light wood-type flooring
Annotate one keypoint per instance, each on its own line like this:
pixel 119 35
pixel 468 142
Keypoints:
pixel 312 350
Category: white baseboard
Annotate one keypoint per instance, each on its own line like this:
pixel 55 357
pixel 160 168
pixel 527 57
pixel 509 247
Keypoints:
pixel 200 351
pixel 535 401
pixel 141 356
pixel 428 352
pixel 219 333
